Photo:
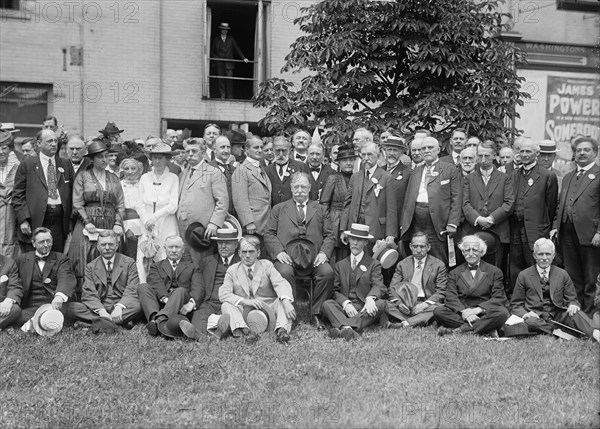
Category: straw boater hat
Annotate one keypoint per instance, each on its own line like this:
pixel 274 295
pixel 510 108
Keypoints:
pixel 161 148
pixel 47 321
pixel 5 137
pixel 226 234
pixel 224 26
pixel 548 146
pixel 386 255
pixel 359 230
pixel 259 320
pixel 9 127
pixel 396 142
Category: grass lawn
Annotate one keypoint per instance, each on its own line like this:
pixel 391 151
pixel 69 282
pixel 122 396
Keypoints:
pixel 402 378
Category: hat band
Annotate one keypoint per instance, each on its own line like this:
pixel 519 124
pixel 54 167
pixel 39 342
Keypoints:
pixel 359 232
pixel 227 235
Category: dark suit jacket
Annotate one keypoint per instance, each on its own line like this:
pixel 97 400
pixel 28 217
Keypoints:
pixel 540 200
pixel 226 49
pixel 586 207
pixel 57 268
pixel 381 211
pixel 174 168
pixel 485 291
pixel 30 194
pixel 282 228
pixel 527 295
pixel 449 160
pixel 369 282
pixel 444 194
pixel 435 276
pixel 496 200
pixel 208 269
pixel 160 277
pixel 125 282
pixel 318 184
pixel 282 191
pixel 12 286
pixel 400 175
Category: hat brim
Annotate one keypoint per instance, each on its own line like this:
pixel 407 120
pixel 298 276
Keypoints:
pixel 365 237
pixel 169 153
pixel 204 244
pixel 107 133
pixel 302 271
pixel 268 311
pixel 550 151
pixel 388 258
pixel 36 321
pixel 90 155
pixel 164 329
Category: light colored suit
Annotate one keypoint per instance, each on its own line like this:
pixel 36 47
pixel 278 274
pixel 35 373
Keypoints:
pixel 266 285
pixel 251 190
pixel 202 197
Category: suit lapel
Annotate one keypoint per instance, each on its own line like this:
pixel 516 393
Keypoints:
pixel 242 272
pixel 50 262
pixel 311 209
pixel 40 170
pixel 292 212
pixel 358 272
pixel 117 269
pixel 28 274
pixel 100 270
pixel 493 183
pixel 426 273
pixel 533 177
pixel 585 181
pixel 477 179
pixel 256 277
pixel 537 284
pixel 166 266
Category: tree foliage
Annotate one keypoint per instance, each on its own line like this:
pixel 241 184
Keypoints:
pixel 402 64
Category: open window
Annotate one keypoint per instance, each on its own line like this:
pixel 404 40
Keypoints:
pixel 25 104
pixel 247 22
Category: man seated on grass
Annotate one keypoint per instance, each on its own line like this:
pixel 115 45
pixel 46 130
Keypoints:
pixel 357 289
pixel 46 278
pixel 256 283
pixel 475 298
pixel 212 274
pixel 110 286
pixel 544 293
pixel 11 291
pixel 417 288
pixel 174 285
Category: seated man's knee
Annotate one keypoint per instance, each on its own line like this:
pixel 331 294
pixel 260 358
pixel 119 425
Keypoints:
pixel 286 271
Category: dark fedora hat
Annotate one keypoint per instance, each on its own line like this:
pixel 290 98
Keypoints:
pixel 103 326
pixel 236 137
pixel 194 237
pixel 95 148
pixel 170 327
pixel 345 152
pixel 517 330
pixel 491 240
pixel 303 253
pixel 111 128
pixel 259 320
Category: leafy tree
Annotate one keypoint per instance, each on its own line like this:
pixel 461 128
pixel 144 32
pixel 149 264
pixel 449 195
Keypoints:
pixel 437 64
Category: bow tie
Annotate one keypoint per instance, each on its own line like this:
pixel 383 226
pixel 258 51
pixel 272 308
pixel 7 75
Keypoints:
pixel 301 157
pixel 40 258
pixel 473 267
pixel 317 169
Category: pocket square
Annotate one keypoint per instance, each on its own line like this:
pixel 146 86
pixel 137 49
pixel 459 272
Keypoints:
pixel 445 182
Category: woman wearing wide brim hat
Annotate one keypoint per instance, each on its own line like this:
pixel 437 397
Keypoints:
pixel 333 196
pixel 98 201
pixel 159 195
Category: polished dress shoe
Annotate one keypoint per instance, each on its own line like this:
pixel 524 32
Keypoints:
pixel 252 338
pixel 316 321
pixel 152 328
pixel 189 330
pixel 335 333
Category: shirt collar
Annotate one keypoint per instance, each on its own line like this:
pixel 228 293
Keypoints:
pixel 416 261
pixel 486 173
pixel 529 167
pixel 432 164
pixel 253 161
pixel 358 257
pixel 539 270
pixel 372 170
pixel 252 267
pixel 112 260
pixel 586 168
pixel 44 159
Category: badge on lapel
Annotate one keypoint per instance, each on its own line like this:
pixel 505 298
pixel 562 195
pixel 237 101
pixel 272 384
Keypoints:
pixel 62 170
pixel 47 281
pixel 434 174
pixel 363 268
pixel 530 182
pixel 3 279
pixel 592 176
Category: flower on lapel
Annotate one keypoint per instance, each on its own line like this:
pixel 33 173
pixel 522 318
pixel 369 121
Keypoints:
pixel 62 170
pixel 47 280
pixel 287 173
pixel 374 180
pixel 377 189
pixel 3 279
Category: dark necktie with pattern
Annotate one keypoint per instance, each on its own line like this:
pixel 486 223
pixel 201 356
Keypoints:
pixel 52 189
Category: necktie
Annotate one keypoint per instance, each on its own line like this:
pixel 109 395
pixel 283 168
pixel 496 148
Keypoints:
pixel 579 173
pixel 353 263
pixel 108 276
pixel 225 263
pixel 52 190
pixel 417 278
pixel 300 213
pixel 544 276
pixel 280 168
pixel 250 275
pixel 192 171
pixel 174 264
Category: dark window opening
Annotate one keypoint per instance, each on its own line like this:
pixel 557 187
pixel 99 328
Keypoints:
pixel 25 104
pixel 242 21
pixel 197 127
pixel 9 4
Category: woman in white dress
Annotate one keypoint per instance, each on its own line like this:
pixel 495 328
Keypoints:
pixel 159 194
pixel 132 225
